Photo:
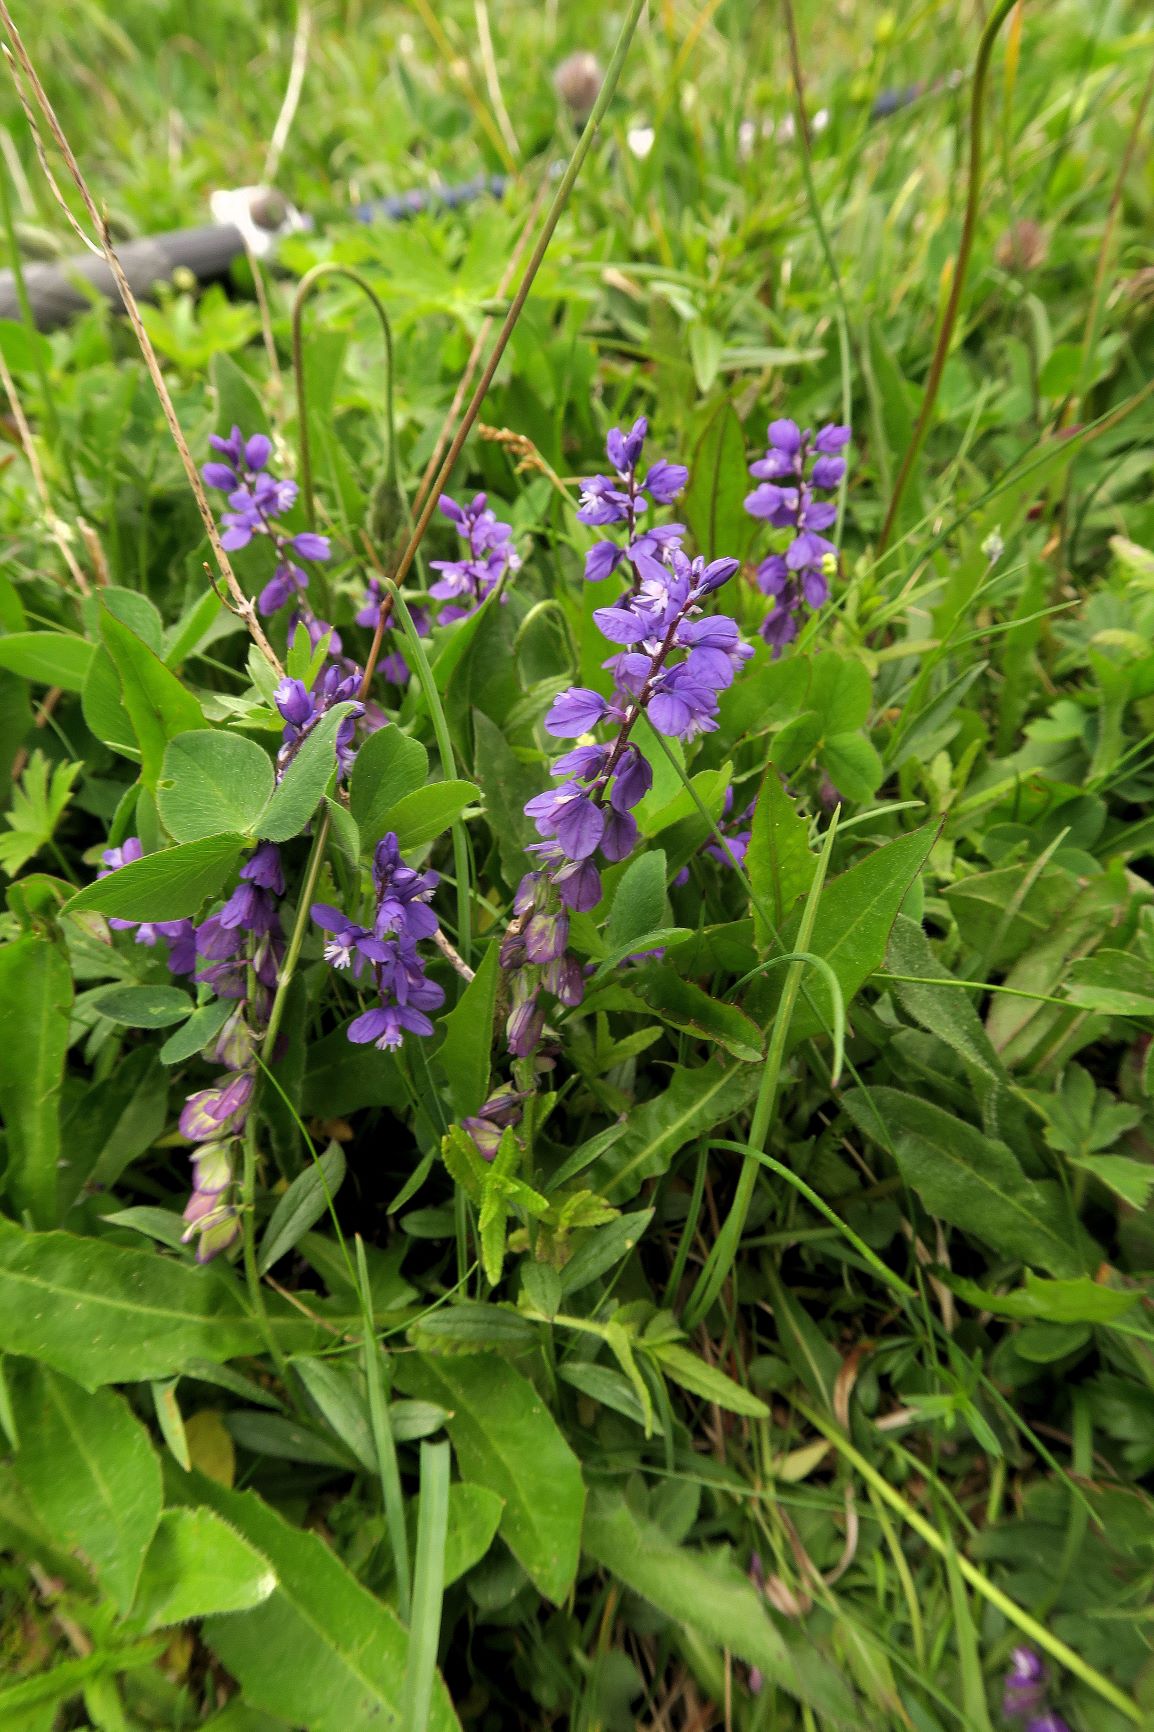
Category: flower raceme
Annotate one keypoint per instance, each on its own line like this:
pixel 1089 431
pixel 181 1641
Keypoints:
pixel 256 500
pixel 623 498
pixel 796 468
pixel 670 664
pixel 387 950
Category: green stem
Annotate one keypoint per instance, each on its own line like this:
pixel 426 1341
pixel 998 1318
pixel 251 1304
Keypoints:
pixel 248 1237
pixel 444 738
pixel 51 418
pixel 724 1251
pixel 1030 1627
pixel 961 265
pixel 308 283
pixel 805 156
pixel 297 936
pixel 552 218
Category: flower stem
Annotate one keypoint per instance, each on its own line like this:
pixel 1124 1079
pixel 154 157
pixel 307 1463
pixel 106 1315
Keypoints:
pixel 308 283
pixel 725 1248
pixel 248 1238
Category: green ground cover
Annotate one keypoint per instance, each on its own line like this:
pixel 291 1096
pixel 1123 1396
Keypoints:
pixel 774 1350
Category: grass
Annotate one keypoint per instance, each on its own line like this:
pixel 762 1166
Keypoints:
pixel 915 1295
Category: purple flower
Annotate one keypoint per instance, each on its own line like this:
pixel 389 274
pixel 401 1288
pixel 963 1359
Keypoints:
pixel 632 782
pixel 263 867
pixel 213 1112
pixel 1050 1722
pixel 602 559
pixel 294 702
pixel 546 936
pixel 619 837
pixel 385 1026
pixel 350 945
pixel 489 555
pixel 565 979
pixel 570 816
pixel 311 546
pixel 579 885
pixel 795 466
pixel 575 712
pixel 1024 1687
pixel 524 1027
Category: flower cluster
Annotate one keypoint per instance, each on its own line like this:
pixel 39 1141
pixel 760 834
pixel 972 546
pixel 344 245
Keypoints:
pixel 670 667
pixel 387 949
pixel 303 709
pixel 466 582
pixel 669 663
pixel 238 952
pixel 622 498
pixel 180 935
pixel 241 948
pixel 533 953
pixel 1024 1693
pixel 502 1109
pixel 796 467
pixel 256 500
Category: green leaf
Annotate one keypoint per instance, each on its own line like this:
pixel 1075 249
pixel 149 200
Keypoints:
pixel 198 1565
pixel 39 801
pixel 474 1516
pixel 707 1381
pixel 389 765
pixel 89 1473
pixel 422 816
pixel 718 483
pixel 305 780
pixel 946 1011
pixel 612 1389
pixel 601 1249
pixel 35 1008
pixel 170 885
pixel 713 1597
pixel 102 1313
pixel 302 1206
pixel 684 1005
pixel 23 347
pixel 973 1181
pixel 778 859
pixel 131 608
pixel 320 1650
pixel 158 705
pixel 507 782
pixel 1113 982
pixel 854 918
pixel 51 658
pixel 1078 1301
pixel 506 1440
pixel 693 1103
pixel 104 711
pixel 639 901
pixel 202 1026
pixel 853 765
pixel 144 1006
pixel 1129 1179
pixel 465 1053
pixel 212 781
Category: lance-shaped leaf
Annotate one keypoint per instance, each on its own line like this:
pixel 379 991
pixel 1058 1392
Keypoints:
pixel 35 1004
pixel 170 885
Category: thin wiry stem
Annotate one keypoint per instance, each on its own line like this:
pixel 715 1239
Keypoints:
pixel 552 218
pixel 961 265
pixel 241 603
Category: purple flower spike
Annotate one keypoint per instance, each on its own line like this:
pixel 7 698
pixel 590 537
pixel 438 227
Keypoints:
pixel 794 469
